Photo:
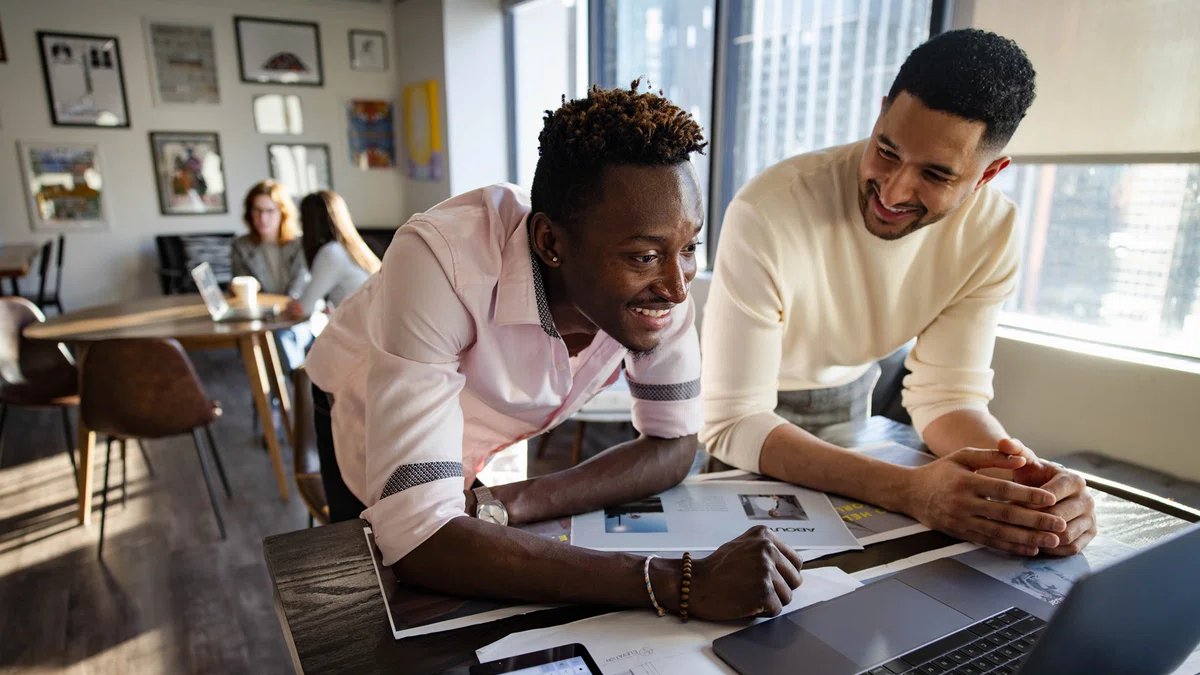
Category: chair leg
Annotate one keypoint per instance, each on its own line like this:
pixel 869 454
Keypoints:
pixel 124 475
pixel 541 448
pixel 145 457
pixel 577 448
pixel 310 521
pixel 3 418
pixel 212 446
pixel 70 438
pixel 104 496
pixel 212 494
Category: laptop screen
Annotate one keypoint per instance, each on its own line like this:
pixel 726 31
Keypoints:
pixel 210 290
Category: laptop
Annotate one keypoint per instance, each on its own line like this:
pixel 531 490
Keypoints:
pixel 214 299
pixel 1140 615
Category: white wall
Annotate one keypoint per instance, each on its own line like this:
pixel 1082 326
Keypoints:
pixel 1058 401
pixel 476 94
pixel 421 56
pixel 122 263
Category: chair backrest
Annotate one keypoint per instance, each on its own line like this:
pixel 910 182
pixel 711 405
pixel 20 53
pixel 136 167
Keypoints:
pixel 62 245
pixel 31 371
pixel 141 388
pixel 179 253
pixel 44 270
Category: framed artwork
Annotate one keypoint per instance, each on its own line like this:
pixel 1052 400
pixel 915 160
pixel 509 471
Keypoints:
pixel 84 80
pixel 371 134
pixel 422 131
pixel 183 63
pixel 187 166
pixel 64 186
pixel 302 168
pixel 278 114
pixel 273 51
pixel 368 50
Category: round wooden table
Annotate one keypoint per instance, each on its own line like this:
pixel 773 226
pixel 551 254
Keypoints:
pixel 186 319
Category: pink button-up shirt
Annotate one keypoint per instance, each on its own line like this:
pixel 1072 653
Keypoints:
pixel 449 354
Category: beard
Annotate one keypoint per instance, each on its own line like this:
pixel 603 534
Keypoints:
pixel 883 230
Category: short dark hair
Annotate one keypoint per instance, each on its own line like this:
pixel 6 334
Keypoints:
pixel 973 74
pixel 608 127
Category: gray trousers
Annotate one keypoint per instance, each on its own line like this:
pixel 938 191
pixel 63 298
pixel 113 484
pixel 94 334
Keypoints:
pixel 815 409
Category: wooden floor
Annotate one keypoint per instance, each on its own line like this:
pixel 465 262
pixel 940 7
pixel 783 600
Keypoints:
pixel 170 596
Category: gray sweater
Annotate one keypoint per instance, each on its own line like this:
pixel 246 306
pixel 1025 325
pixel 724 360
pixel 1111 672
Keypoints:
pixel 288 277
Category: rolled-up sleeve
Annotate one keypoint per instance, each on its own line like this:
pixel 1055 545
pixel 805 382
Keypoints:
pixel 416 328
pixel 665 384
pixel 950 365
pixel 743 338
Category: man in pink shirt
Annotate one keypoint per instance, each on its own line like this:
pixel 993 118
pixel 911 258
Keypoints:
pixel 494 318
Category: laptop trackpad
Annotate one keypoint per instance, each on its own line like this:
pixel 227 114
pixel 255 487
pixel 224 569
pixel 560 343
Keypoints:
pixel 879 622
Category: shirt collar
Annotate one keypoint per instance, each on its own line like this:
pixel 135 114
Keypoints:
pixel 521 291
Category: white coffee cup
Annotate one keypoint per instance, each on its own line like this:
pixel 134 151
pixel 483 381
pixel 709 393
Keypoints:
pixel 245 291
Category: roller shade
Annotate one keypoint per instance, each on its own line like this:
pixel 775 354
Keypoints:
pixel 1115 77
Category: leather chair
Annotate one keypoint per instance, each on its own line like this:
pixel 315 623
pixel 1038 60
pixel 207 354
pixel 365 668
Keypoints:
pixel 147 388
pixel 306 459
pixel 33 373
pixel 47 298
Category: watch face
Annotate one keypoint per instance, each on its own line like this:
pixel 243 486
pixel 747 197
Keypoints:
pixel 493 513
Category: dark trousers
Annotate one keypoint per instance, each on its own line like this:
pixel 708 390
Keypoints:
pixel 343 505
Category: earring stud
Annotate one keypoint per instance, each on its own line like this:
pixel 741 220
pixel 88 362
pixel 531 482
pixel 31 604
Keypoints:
pixel 554 258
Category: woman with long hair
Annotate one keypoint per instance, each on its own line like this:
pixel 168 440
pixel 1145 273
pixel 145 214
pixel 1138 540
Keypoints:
pixel 272 251
pixel 336 253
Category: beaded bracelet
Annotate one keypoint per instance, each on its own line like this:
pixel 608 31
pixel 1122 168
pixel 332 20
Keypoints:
pixel 649 588
pixel 686 588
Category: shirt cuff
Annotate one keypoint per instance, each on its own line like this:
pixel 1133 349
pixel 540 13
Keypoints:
pixel 740 443
pixel 405 520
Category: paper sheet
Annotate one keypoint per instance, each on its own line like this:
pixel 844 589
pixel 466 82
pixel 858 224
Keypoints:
pixel 639 641
pixel 1047 579
pixel 703 516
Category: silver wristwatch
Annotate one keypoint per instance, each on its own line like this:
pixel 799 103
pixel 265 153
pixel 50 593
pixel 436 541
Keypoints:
pixel 488 508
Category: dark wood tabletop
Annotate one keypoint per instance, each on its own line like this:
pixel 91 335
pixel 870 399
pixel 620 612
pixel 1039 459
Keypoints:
pixel 329 604
pixel 17 259
pixel 183 317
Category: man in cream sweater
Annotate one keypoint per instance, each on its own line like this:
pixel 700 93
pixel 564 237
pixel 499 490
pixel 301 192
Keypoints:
pixel 831 260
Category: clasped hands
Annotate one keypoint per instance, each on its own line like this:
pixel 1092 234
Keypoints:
pixel 1044 508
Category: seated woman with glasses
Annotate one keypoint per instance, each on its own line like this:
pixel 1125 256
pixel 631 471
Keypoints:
pixel 273 254
pixel 335 252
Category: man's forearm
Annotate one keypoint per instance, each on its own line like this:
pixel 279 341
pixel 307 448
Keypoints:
pixel 623 473
pixel 970 428
pixel 796 456
pixel 471 558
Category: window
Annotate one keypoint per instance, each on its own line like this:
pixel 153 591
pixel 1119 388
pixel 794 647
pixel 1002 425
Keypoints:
pixel 802 75
pixel 670 45
pixel 547 46
pixel 1110 253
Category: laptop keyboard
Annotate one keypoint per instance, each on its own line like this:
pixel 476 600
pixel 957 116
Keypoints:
pixel 996 645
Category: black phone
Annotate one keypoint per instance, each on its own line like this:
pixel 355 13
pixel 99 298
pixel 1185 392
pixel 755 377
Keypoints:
pixel 566 660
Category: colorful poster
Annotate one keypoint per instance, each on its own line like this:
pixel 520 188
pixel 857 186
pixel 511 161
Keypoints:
pixel 371 134
pixel 64 184
pixel 422 132
pixel 184 63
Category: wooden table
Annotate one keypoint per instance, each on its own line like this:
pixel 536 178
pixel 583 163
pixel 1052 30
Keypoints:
pixel 184 318
pixel 329 605
pixel 16 261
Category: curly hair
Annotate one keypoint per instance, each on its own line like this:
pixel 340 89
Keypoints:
pixel 973 74
pixel 608 127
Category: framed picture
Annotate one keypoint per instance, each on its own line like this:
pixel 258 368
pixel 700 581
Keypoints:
pixel 371 133
pixel 84 80
pixel 64 186
pixel 187 166
pixel 278 114
pixel 183 63
pixel 273 51
pixel 368 50
pixel 302 168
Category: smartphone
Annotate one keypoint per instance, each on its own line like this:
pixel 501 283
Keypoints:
pixel 566 660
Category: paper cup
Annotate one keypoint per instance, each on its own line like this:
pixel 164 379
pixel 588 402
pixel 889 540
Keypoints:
pixel 245 291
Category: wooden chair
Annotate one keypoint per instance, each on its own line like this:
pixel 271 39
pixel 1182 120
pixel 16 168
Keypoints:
pixel 35 374
pixel 51 298
pixel 307 461
pixel 147 388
